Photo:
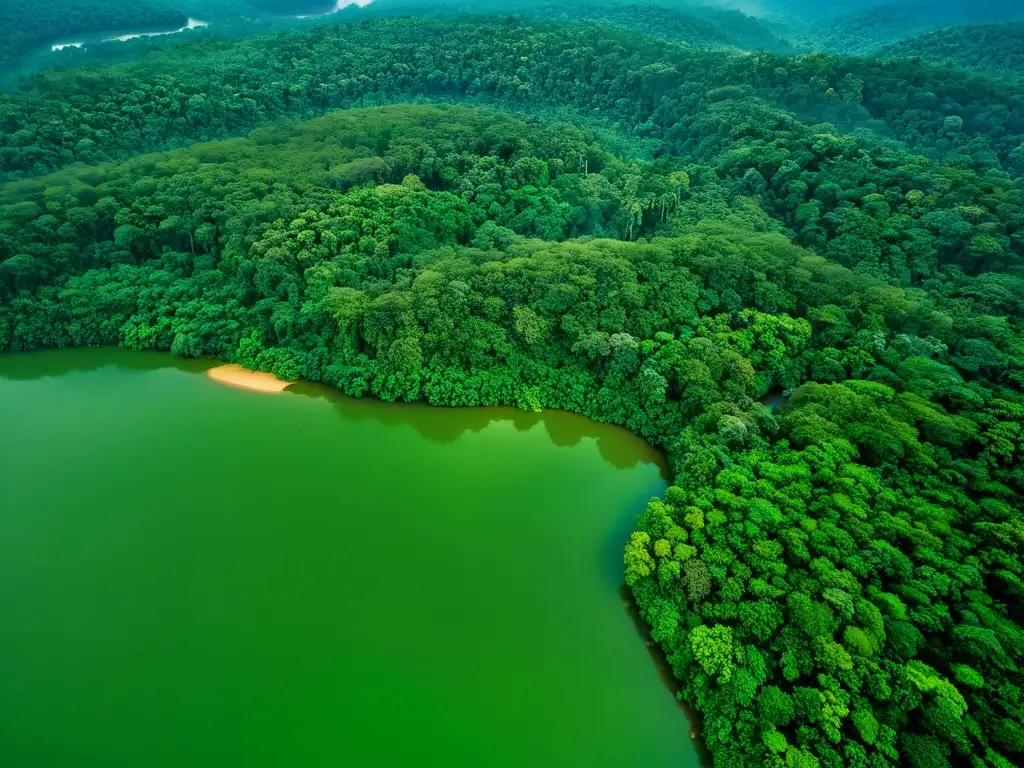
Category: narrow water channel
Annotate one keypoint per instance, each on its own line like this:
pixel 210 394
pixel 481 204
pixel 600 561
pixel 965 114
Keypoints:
pixel 112 36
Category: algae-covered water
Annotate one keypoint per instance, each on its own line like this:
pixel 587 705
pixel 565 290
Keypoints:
pixel 194 575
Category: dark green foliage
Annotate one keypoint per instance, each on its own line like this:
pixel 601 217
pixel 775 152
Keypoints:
pixel 687 23
pixel 860 200
pixel 996 49
pixel 208 90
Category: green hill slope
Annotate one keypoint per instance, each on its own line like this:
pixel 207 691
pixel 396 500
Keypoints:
pixel 996 49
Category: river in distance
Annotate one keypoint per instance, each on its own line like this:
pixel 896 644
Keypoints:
pixel 194 575
pixel 123 36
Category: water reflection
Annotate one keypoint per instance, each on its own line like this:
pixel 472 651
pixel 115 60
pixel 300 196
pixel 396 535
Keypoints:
pixel 26 366
pixel 660 662
pixel 616 445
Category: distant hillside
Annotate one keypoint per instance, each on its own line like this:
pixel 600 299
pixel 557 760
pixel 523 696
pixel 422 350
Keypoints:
pixel 869 30
pixel 866 32
pixel 693 24
pixel 813 12
pixel 796 11
pixel 996 49
pixel 295 7
pixel 698 26
pixel 743 31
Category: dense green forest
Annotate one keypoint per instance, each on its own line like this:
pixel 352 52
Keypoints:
pixel 687 23
pixel 869 30
pixel 648 87
pixel 996 49
pixel 800 275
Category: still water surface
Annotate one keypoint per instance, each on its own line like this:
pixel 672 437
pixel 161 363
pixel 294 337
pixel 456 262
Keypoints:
pixel 192 575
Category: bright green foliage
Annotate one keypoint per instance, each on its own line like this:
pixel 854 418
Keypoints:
pixel 713 649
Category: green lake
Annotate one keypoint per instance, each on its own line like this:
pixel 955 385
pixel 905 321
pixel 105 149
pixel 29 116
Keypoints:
pixel 193 575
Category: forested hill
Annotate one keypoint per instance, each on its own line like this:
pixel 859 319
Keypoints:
pixel 644 86
pixel 808 12
pixel 996 49
pixel 858 198
pixel 28 28
pixel 686 23
pixel 863 28
pixel 796 11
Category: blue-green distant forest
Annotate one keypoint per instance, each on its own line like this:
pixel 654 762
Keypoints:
pixel 782 240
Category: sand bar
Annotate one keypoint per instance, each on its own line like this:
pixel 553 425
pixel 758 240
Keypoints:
pixel 237 376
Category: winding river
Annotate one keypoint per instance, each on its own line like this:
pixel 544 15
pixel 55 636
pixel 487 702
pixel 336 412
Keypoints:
pixel 197 575
pixel 78 41
pixel 122 36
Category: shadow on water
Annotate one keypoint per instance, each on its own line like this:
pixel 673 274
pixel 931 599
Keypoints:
pixel 616 445
pixel 26 366
pixel 660 662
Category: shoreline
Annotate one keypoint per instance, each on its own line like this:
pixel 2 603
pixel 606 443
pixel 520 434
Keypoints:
pixel 233 375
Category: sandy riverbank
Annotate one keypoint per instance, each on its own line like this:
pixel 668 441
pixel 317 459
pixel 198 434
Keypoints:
pixel 236 376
